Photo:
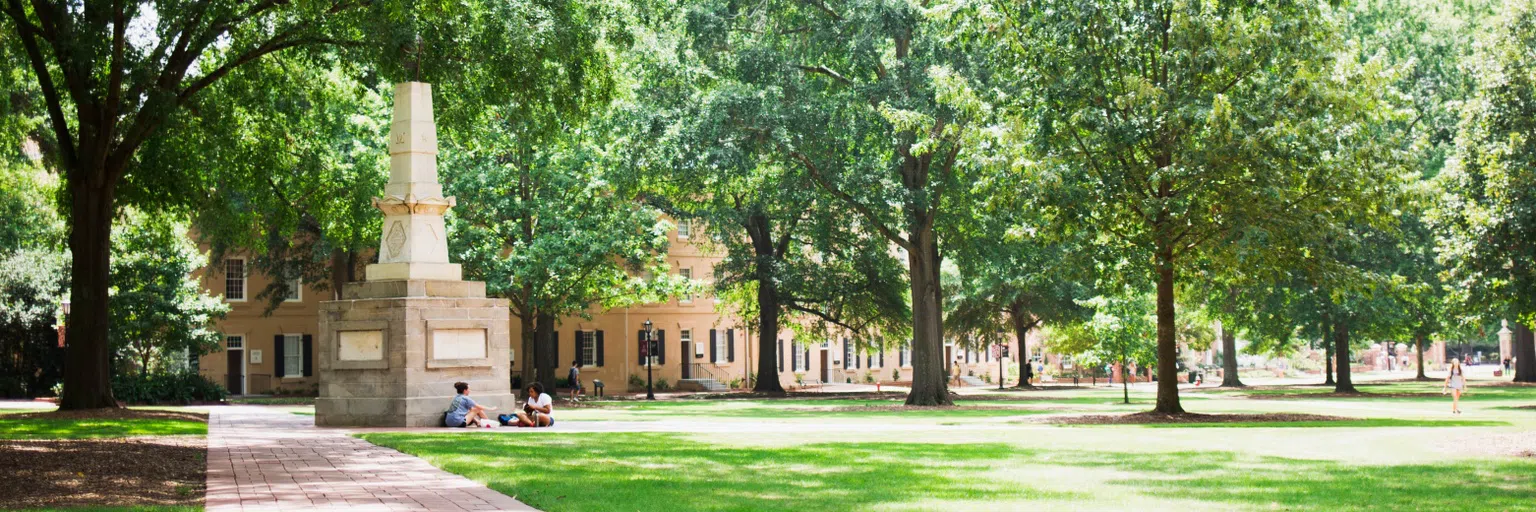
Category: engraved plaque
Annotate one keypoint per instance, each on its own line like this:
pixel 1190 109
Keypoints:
pixel 458 344
pixel 360 345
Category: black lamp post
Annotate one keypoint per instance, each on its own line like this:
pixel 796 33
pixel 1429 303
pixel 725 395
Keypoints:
pixel 63 323
pixel 650 339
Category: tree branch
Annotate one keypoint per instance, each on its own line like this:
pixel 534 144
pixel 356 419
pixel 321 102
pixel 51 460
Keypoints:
pixel 29 34
pixel 851 202
pixel 823 70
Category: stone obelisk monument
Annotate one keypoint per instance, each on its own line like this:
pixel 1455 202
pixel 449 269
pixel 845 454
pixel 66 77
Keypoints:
pixel 392 348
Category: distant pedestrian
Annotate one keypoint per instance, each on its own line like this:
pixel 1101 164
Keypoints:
pixel 1456 383
pixel 575 377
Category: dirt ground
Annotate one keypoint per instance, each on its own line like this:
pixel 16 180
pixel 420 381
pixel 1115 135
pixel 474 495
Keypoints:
pixel 1144 418
pixel 132 471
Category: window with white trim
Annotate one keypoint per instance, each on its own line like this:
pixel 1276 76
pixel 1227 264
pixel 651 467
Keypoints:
pixel 905 356
pixel 686 273
pixel 234 279
pixel 799 363
pixel 684 229
pixel 586 346
pixel 686 336
pixel 293 355
pixel 722 348
pixel 295 290
pixel 236 341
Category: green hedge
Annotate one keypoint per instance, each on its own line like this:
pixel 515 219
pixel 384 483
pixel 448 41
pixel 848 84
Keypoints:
pixel 182 387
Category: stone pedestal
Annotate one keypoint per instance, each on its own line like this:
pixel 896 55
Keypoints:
pixel 392 348
pixel 390 351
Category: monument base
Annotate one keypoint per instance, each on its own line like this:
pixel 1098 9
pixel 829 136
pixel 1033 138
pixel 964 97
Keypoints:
pixel 390 351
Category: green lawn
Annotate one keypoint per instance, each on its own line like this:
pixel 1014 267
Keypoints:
pixel 1368 422
pixel 663 472
pixel 58 428
pixel 120 509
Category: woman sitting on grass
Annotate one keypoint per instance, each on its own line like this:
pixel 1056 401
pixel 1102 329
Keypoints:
pixel 463 411
pixel 537 410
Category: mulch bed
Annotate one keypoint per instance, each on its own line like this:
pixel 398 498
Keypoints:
pixel 1297 396
pixel 1147 418
pixel 112 414
pixel 917 408
pixel 132 471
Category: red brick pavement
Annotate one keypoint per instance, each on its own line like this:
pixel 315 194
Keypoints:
pixel 269 459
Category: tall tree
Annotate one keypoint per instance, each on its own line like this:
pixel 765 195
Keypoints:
pixel 160 311
pixel 1015 273
pixel 113 74
pixel 1179 126
pixel 896 86
pixel 1487 222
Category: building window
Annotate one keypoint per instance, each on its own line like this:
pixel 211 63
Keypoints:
pixel 799 358
pixel 234 279
pixel 295 290
pixel 722 349
pixel 684 229
pixel 687 273
pixel 293 355
pixel 586 343
pixel 235 341
pixel 904 357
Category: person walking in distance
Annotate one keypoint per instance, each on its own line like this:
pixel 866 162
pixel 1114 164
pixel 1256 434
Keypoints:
pixel 575 377
pixel 1456 383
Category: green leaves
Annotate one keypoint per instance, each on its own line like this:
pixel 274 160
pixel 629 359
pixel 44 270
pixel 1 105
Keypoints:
pixel 160 312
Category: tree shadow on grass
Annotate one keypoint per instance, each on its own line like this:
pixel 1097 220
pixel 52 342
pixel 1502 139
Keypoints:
pixel 666 472
pixel 1296 484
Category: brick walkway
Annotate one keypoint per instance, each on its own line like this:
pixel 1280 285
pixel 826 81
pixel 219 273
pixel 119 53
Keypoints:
pixel 269 459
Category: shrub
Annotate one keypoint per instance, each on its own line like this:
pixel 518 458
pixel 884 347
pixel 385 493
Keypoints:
pixel 800 379
pixel 661 385
pixel 735 384
pixel 636 383
pixel 171 387
pixel 986 377
pixel 869 377
pixel 896 375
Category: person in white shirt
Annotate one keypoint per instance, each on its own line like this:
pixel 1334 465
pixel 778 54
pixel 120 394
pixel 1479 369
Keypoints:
pixel 538 409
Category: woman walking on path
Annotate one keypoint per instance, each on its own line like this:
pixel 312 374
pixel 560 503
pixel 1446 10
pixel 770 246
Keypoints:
pixel 1457 384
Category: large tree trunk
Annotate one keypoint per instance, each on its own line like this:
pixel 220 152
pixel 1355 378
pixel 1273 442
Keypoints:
pixel 1341 341
pixel 528 326
pixel 1167 346
pixel 1525 353
pixel 1229 358
pixel 767 336
pixel 1418 342
pixel 1021 331
pixel 87 357
pixel 544 352
pixel 760 232
pixel 929 383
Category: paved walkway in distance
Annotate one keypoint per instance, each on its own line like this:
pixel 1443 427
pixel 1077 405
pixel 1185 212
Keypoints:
pixel 270 459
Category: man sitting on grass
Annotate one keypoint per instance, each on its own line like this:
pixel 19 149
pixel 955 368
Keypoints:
pixel 537 410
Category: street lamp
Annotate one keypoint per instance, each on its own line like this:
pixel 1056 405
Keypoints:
pixel 650 339
pixel 63 323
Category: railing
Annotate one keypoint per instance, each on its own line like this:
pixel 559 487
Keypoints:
pixel 698 371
